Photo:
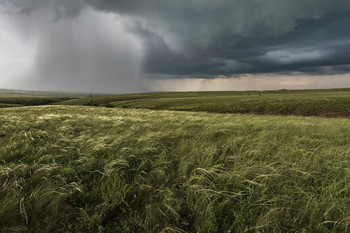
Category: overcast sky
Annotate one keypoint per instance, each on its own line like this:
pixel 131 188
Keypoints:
pixel 126 46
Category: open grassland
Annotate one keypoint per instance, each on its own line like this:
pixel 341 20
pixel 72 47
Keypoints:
pixel 90 169
pixel 329 103
pixel 17 100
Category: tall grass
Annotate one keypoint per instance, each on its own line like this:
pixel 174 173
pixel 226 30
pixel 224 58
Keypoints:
pixel 88 169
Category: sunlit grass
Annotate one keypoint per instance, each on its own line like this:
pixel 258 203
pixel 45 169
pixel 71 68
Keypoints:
pixel 90 169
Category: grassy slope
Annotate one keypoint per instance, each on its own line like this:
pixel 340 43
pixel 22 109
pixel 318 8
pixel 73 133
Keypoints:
pixel 87 169
pixel 331 103
pixel 16 100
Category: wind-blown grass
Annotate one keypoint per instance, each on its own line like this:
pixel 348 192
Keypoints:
pixel 88 169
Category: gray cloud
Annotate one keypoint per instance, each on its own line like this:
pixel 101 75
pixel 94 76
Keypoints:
pixel 89 55
pixel 231 37
pixel 197 38
pixel 89 51
pixel 60 8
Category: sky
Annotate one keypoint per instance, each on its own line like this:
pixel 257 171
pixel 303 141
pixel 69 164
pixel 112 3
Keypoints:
pixel 127 46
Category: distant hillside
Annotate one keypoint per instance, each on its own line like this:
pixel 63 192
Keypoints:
pixel 49 93
pixel 19 99
pixel 328 103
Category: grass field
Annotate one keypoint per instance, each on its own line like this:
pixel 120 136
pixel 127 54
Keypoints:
pixel 328 103
pixel 17 100
pixel 94 169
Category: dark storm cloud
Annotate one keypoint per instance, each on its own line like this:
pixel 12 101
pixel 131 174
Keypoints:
pixel 204 38
pixel 233 37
